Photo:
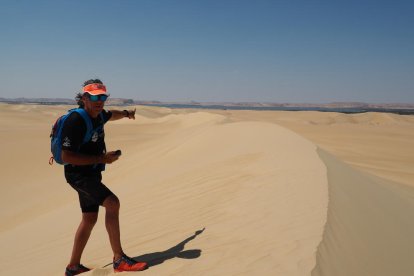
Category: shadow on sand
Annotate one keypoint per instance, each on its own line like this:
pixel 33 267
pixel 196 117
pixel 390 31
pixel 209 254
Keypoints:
pixel 177 251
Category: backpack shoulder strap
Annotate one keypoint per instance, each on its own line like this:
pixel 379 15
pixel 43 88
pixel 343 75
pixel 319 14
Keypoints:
pixel 88 122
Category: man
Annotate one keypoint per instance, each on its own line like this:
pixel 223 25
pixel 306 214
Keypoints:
pixel 84 164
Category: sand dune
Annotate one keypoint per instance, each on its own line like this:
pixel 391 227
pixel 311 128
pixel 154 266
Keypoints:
pixel 219 193
pixel 378 143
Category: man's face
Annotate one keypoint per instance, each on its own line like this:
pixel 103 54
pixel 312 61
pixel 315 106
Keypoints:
pixel 93 107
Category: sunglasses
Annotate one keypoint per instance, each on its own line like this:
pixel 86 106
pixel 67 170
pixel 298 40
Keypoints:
pixel 95 98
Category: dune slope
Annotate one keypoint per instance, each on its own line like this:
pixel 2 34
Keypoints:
pixel 369 227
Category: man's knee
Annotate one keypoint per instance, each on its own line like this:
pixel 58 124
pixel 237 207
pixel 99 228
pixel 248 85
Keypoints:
pixel 89 219
pixel 111 203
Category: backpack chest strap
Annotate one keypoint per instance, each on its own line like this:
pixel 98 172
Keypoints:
pixel 88 122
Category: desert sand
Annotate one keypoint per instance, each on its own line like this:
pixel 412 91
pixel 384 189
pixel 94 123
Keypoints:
pixel 219 192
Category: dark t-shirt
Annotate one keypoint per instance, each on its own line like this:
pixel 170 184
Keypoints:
pixel 73 133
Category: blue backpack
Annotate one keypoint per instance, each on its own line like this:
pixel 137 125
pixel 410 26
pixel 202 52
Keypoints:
pixel 56 134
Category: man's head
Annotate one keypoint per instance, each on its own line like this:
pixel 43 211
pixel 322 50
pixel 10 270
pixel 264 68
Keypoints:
pixel 93 96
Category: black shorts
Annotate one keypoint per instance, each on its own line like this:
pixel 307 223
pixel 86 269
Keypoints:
pixel 92 192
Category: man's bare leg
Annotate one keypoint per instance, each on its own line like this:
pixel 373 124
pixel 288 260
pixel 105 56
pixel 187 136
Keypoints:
pixel 112 205
pixel 82 236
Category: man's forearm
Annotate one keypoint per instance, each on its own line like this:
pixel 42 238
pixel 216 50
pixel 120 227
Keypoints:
pixel 78 159
pixel 118 114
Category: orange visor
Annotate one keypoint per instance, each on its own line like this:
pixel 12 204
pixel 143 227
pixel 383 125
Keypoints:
pixel 95 89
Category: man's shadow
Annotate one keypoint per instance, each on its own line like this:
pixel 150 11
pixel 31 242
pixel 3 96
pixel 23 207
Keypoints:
pixel 177 251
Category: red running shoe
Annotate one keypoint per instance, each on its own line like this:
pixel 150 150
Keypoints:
pixel 126 263
pixel 75 270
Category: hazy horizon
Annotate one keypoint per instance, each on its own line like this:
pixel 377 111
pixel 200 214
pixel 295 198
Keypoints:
pixel 210 51
pixel 116 99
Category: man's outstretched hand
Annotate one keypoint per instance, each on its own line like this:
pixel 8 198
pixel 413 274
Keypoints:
pixel 131 114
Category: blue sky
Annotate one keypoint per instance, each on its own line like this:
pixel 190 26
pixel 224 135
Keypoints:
pixel 227 50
